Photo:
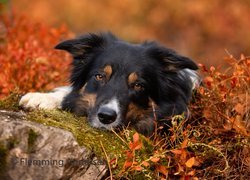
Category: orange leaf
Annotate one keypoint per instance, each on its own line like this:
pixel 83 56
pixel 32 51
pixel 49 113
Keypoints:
pixel 162 169
pixel 145 163
pixel 127 164
pixel 136 137
pixel 209 79
pixel 176 151
pixel 239 108
pixel 138 146
pixel 184 143
pixel 135 145
pixel 190 162
pixel 137 168
pixel 154 159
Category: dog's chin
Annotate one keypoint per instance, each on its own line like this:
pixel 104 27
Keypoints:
pixel 94 122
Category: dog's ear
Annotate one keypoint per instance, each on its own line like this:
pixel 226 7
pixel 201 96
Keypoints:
pixel 81 45
pixel 82 49
pixel 171 60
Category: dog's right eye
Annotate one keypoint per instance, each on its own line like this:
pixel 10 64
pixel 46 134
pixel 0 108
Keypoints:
pixel 99 77
pixel 138 87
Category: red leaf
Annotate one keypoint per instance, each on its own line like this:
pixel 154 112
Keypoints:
pixel 127 164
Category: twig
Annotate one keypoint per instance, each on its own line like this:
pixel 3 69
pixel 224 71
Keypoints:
pixel 214 149
pixel 155 120
pixel 106 156
pixel 119 137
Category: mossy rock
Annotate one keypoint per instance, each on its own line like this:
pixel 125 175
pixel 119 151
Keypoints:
pixel 96 140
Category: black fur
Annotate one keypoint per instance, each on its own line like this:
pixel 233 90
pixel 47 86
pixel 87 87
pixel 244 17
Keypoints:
pixel 159 73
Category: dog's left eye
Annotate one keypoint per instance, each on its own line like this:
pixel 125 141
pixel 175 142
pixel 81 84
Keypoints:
pixel 99 77
pixel 138 87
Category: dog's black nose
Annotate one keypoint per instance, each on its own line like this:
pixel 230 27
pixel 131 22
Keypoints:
pixel 106 115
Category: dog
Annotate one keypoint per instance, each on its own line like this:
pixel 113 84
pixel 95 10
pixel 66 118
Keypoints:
pixel 118 84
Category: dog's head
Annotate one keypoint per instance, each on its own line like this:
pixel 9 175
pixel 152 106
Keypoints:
pixel 121 83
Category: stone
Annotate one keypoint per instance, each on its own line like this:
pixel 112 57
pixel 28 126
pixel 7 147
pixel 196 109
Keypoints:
pixel 30 150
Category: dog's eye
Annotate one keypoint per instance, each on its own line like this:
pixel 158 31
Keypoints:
pixel 138 87
pixel 99 77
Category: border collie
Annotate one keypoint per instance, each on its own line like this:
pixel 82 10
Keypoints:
pixel 116 83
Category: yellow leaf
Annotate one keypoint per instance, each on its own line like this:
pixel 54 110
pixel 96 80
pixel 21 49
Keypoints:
pixel 190 162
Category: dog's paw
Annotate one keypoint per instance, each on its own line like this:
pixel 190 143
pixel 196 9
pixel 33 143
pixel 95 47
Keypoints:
pixel 33 101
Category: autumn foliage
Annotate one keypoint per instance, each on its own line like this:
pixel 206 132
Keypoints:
pixel 28 61
pixel 225 96
pixel 198 29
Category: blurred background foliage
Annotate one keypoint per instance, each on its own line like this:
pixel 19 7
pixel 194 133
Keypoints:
pixel 207 31
pixel 202 30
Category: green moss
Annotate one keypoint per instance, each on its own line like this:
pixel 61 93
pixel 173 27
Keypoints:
pixel 93 139
pixel 84 134
pixel 32 137
pixel 3 158
pixel 10 102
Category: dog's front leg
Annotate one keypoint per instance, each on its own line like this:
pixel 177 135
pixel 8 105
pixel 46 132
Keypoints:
pixel 50 100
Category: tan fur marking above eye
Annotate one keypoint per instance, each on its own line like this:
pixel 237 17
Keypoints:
pixel 108 71
pixel 132 78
